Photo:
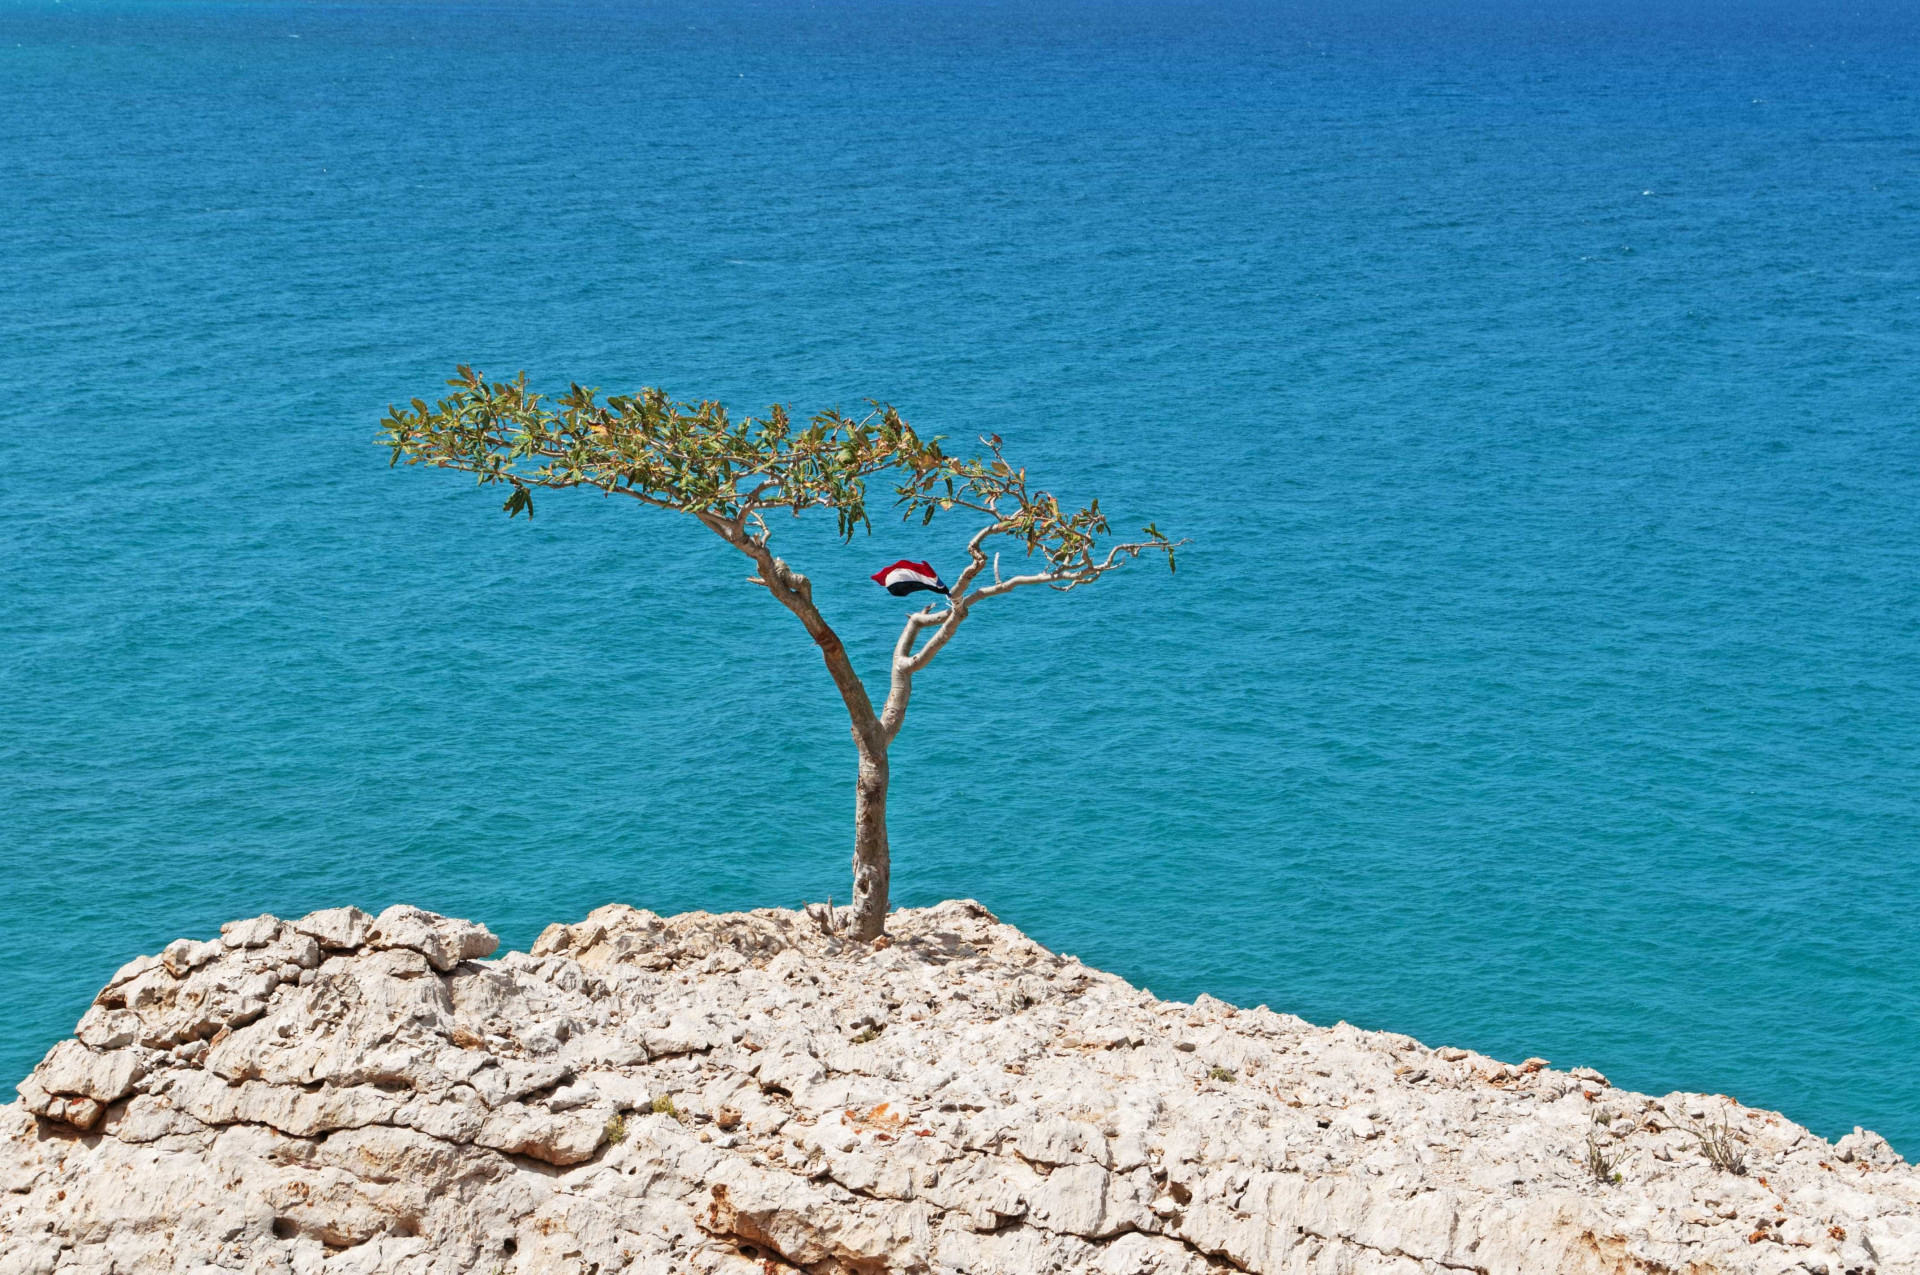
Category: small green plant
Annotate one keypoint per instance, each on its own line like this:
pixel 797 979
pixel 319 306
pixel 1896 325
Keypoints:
pixel 617 1129
pixel 663 1106
pixel 867 1036
pixel 1604 1168
pixel 1221 1073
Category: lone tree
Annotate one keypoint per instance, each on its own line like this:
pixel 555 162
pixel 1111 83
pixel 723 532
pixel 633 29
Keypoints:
pixel 694 459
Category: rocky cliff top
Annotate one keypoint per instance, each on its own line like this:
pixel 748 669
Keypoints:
pixel 749 1094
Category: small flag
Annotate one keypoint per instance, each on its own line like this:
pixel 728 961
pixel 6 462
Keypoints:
pixel 905 577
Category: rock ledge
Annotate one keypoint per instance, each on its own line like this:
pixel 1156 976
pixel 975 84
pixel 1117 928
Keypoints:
pixel 745 1094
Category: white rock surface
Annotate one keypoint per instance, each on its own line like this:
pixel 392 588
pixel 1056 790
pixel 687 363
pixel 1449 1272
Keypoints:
pixel 745 1094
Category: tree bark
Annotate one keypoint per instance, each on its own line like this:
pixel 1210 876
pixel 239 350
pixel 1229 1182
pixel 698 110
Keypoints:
pixel 872 867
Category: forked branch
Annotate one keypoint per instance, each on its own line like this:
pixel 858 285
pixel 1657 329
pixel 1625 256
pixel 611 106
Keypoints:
pixel 1061 572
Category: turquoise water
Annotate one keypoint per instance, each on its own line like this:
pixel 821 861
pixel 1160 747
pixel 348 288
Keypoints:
pixel 1537 388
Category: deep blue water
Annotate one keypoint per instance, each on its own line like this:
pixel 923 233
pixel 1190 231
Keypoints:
pixel 1537 384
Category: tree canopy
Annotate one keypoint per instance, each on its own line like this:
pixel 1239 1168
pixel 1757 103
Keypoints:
pixel 697 459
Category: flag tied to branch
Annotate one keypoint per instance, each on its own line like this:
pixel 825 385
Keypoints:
pixel 905 577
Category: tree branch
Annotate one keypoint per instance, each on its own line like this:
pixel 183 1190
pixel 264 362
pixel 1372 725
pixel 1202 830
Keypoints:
pixel 900 684
pixel 960 602
pixel 795 592
pixel 1067 579
pixel 907 661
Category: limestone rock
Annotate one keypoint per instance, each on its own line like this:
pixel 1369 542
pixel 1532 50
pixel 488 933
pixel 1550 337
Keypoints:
pixel 336 929
pixel 557 1139
pixel 71 1068
pixel 445 942
pixel 1863 1146
pixel 742 1094
pixel 255 932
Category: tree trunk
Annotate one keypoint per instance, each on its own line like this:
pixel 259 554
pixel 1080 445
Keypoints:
pixel 872 871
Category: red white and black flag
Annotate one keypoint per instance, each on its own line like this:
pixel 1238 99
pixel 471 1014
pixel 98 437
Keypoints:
pixel 905 577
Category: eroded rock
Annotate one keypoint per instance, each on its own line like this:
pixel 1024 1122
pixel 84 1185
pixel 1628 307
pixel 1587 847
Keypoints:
pixel 444 941
pixel 711 1093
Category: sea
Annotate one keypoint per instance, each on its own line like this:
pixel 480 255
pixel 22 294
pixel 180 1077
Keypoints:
pixel 1536 385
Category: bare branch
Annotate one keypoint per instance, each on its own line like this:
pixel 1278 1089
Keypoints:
pixel 795 592
pixel 960 602
pixel 1068 579
pixel 906 662
pixel 900 684
pixel 752 501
